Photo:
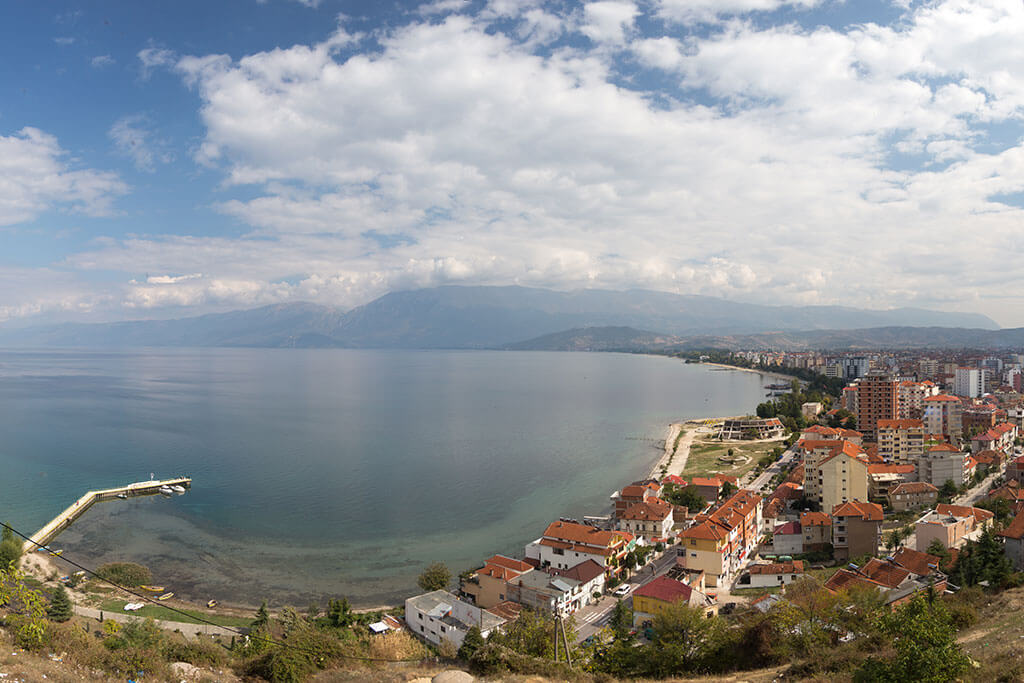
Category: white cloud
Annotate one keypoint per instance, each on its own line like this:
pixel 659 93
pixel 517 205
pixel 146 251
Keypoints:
pixel 442 7
pixel 690 11
pixel 101 61
pixel 608 21
pixel 35 176
pixel 453 151
pixel 64 40
pixel 133 139
pixel 153 57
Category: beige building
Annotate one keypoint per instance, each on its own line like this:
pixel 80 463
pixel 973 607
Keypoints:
pixel 487 586
pixel 913 495
pixel 652 520
pixel 950 525
pixel 901 440
pixel 839 476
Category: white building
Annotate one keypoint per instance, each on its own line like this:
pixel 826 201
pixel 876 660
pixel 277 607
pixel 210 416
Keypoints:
pixel 439 616
pixel 969 382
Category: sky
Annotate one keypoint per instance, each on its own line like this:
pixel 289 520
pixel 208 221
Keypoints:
pixel 173 159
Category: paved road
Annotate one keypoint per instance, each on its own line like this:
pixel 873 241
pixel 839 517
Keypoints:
pixel 774 469
pixel 187 629
pixel 594 617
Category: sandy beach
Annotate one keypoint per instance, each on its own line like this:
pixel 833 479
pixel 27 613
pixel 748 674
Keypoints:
pixel 678 440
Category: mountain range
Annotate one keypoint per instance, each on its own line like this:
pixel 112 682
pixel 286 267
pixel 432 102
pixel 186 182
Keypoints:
pixel 518 317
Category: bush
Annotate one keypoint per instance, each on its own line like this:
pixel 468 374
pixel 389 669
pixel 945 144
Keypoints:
pixel 198 652
pixel 125 574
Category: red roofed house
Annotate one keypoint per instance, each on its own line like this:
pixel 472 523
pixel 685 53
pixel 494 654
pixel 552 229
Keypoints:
pixel 894 580
pixel 721 541
pixel 1013 542
pixel 817 530
pixel 988 461
pixel 913 495
pixel 999 438
pixel 856 529
pixel 653 598
pixel 823 433
pixel 651 519
pixel 635 493
pixel 565 544
pixel 788 539
pixel 486 586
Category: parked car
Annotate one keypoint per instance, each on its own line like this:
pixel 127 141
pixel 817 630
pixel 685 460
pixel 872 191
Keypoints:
pixel 622 590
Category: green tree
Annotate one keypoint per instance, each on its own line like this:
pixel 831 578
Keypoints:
pixel 262 617
pixel 621 621
pixel 435 577
pixel 687 497
pixel 924 640
pixel 7 534
pixel 473 641
pixel 684 641
pixel 10 553
pixel 60 609
pixel 339 612
pixel 728 488
pixel 948 490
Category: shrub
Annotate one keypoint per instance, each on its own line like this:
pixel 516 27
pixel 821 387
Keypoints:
pixel 125 573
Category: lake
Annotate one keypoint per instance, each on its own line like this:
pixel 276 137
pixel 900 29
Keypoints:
pixel 321 473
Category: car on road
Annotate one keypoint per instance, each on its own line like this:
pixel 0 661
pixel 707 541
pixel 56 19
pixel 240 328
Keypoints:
pixel 622 590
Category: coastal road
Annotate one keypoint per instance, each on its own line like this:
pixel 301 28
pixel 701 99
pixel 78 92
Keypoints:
pixel 186 629
pixel 774 469
pixel 595 616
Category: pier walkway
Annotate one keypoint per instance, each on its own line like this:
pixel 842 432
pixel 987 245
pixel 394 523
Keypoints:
pixel 76 509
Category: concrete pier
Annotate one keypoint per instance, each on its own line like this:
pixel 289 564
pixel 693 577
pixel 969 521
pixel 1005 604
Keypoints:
pixel 76 509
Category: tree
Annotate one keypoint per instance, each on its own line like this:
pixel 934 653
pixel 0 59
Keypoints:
pixel 473 641
pixel 262 617
pixel 435 577
pixel 684 640
pixel 339 612
pixel 621 621
pixel 60 609
pixel 728 488
pixel 924 640
pixel 948 490
pixel 10 553
pixel 686 497
pixel 8 533
pixel 940 551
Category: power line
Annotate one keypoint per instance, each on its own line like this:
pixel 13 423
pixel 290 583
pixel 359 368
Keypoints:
pixel 200 618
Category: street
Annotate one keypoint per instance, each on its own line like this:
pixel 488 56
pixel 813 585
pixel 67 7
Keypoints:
pixel 594 617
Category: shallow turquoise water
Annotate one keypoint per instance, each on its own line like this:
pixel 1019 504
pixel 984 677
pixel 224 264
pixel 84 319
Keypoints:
pixel 327 472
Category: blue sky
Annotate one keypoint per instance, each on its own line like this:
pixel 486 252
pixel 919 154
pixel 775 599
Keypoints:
pixel 172 159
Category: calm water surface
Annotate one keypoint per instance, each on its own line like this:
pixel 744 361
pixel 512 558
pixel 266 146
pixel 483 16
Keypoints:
pixel 333 472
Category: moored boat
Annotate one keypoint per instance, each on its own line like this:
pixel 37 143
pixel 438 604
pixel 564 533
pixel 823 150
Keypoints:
pixel 153 589
pixel 211 604
pixel 178 489
pixel 166 596
pixel 166 490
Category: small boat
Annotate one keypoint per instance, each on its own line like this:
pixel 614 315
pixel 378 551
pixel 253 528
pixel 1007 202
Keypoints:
pixel 166 596
pixel 122 495
pixel 57 553
pixel 153 589
pixel 166 490
pixel 212 603
pixel 178 489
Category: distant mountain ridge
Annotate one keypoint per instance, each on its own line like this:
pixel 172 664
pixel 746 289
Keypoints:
pixel 496 317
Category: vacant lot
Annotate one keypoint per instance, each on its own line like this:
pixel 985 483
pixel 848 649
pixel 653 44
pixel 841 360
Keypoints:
pixel 705 458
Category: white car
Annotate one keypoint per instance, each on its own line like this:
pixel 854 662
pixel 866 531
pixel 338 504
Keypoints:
pixel 622 590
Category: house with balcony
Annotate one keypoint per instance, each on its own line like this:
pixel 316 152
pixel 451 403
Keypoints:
pixel 856 529
pixel 566 544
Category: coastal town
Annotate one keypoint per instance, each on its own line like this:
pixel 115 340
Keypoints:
pixel 879 488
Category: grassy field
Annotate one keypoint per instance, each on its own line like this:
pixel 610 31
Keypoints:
pixel 704 458
pixel 164 614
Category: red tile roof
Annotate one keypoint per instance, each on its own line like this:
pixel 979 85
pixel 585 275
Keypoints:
pixel 964 511
pixel 788 529
pixel 651 510
pixel 584 572
pixel 886 573
pixel 1015 530
pixel 916 561
pixel 871 512
pixel 901 424
pixel 665 589
pixel 815 519
pixel 913 487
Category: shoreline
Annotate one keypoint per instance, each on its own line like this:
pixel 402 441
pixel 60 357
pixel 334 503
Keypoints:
pixel 756 371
